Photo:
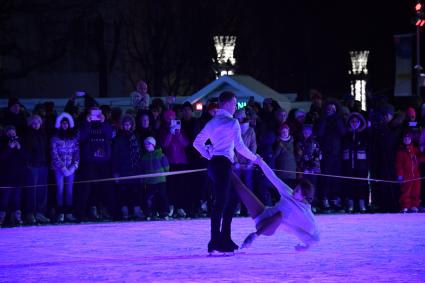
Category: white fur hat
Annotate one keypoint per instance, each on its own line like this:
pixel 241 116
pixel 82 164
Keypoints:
pixel 150 140
pixel 64 115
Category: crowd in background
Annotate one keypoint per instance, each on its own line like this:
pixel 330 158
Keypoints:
pixel 46 156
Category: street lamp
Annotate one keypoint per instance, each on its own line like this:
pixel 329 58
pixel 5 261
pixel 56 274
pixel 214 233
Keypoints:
pixel 224 64
pixel 358 74
pixel 419 23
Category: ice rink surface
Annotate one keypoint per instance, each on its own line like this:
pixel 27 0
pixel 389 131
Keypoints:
pixel 354 248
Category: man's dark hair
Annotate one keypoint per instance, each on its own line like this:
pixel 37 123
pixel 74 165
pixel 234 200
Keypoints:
pixel 225 97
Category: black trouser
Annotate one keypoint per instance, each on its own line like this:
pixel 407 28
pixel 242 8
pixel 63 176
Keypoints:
pixel 224 198
pixel 93 193
pixel 36 197
pixel 129 194
pixel 385 196
pixel 356 189
pixel 329 188
pixel 179 190
pixel 156 199
pixel 10 198
pixel 197 190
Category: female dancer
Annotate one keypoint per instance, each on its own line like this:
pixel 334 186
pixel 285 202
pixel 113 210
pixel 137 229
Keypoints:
pixel 293 211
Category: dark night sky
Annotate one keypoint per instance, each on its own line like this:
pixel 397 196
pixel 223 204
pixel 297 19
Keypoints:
pixel 292 46
pixel 303 44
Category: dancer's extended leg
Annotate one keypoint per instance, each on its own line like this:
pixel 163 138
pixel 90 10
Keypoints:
pixel 266 227
pixel 269 225
pixel 254 206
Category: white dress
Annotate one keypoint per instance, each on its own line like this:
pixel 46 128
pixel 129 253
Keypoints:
pixel 298 219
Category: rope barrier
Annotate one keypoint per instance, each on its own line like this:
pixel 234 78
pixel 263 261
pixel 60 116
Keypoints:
pixel 141 176
pixel 352 178
pixel 164 174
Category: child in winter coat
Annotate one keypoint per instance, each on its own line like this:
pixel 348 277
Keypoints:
pixel 155 161
pixel 407 168
pixel 308 156
pixel 283 154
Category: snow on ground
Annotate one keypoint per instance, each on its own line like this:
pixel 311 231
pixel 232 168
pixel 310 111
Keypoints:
pixel 354 248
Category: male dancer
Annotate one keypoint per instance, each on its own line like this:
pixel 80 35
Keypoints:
pixel 224 132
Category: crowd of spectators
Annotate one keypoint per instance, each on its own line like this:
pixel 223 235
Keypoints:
pixel 48 159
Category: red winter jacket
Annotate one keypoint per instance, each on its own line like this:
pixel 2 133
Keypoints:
pixel 407 162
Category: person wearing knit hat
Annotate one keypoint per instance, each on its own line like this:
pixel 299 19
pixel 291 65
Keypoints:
pixel 282 127
pixel 95 140
pixel 411 114
pixel 169 115
pixel 387 110
pixel 308 153
pixel 175 143
pixel 150 141
pixel 16 115
pixel 36 145
pixel 12 101
pixel 413 125
pixel 299 113
pixel 126 157
pixel 156 198
pixel 13 176
pixel 34 121
pixel 330 130
pixel 296 124
pixel 283 154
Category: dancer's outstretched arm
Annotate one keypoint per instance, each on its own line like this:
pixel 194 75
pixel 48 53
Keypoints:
pixel 283 188
pixel 305 237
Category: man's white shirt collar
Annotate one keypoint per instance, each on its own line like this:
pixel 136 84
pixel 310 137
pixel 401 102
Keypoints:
pixel 223 112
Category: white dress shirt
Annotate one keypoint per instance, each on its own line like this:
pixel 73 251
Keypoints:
pixel 225 134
